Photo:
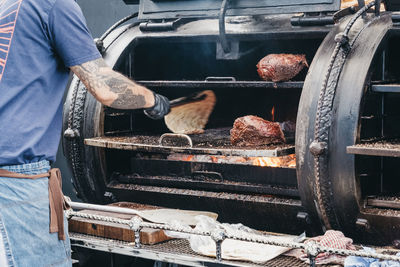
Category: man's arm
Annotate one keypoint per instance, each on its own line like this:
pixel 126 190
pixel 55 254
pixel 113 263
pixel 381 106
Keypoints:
pixel 112 88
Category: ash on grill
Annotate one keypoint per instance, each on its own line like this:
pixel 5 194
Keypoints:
pixel 211 138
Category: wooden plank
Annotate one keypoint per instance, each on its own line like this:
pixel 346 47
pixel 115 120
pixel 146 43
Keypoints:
pixel 116 231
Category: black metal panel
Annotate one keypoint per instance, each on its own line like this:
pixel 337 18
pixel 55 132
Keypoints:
pixel 339 193
pixel 152 9
pixel 392 5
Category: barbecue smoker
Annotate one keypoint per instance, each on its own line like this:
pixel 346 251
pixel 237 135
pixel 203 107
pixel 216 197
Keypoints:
pixel 340 170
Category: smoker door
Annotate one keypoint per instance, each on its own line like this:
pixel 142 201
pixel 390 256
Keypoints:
pixel 162 9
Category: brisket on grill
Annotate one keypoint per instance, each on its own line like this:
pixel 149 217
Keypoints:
pixel 255 131
pixel 280 67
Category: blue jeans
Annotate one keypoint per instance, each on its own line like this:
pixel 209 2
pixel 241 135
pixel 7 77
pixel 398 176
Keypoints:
pixel 24 221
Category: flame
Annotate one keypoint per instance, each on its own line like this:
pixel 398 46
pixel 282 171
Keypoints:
pixel 214 159
pixel 188 158
pixel 267 162
pixel 288 161
pixel 285 161
pixel 273 113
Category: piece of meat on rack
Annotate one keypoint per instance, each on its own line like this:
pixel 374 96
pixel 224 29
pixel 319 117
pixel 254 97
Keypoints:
pixel 280 67
pixel 253 131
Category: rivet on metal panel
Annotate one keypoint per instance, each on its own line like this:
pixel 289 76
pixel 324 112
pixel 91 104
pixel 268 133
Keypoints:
pixel 318 148
pixel 303 216
pixel 71 133
pixel 363 223
pixel 343 41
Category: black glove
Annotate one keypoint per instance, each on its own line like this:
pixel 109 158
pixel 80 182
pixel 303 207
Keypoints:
pixel 160 109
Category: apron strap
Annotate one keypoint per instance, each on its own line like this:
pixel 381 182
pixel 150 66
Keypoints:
pixel 56 197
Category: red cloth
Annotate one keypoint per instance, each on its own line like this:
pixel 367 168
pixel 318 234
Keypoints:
pixel 331 239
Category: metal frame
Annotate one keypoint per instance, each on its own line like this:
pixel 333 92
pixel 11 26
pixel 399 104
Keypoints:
pixel 113 142
pixel 376 149
pixel 150 9
pixel 312 249
pixel 334 91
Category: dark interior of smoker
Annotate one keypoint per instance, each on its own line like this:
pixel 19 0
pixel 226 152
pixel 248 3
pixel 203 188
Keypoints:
pixel 379 176
pixel 195 60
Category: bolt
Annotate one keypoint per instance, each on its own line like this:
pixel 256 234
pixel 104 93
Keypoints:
pixel 71 133
pixel 363 223
pixel 318 148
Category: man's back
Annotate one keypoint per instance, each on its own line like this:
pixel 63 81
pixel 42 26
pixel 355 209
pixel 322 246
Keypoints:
pixel 39 39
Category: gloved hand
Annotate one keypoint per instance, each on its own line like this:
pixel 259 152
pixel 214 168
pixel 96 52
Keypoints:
pixel 160 109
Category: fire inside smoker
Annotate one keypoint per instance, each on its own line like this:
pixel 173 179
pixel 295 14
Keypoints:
pixel 288 161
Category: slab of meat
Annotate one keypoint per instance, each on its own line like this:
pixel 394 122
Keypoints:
pixel 255 131
pixel 280 67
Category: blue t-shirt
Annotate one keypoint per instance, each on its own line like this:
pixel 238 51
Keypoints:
pixel 39 40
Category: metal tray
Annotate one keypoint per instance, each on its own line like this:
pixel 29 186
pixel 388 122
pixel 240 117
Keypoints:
pixel 380 148
pixel 175 251
pixel 212 142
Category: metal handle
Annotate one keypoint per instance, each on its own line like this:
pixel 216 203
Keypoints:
pixel 86 206
pixel 222 33
pixel 173 135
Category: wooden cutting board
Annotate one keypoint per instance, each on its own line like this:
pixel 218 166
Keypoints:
pixel 117 231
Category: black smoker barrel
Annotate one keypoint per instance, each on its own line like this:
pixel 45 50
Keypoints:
pixel 339 172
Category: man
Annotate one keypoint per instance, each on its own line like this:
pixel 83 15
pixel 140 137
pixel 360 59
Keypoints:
pixel 40 41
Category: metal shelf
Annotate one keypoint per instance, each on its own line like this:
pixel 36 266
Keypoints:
pixel 386 88
pixel 132 143
pixel 211 142
pixel 384 202
pixel 229 83
pixel 380 148
pixel 174 251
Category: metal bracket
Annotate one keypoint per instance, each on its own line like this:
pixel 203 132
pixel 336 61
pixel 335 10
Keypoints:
pixel 225 49
pixel 218 235
pixel 344 12
pixel 233 53
pixel 361 4
pixel 161 26
pixel 312 20
pixel 377 7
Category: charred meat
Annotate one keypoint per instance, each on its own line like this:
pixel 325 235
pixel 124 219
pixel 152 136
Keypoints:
pixel 280 67
pixel 253 131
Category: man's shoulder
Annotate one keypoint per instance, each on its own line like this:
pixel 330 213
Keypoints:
pixel 48 5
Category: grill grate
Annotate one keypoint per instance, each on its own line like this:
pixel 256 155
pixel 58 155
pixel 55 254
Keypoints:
pixel 178 249
pixel 384 148
pixel 212 142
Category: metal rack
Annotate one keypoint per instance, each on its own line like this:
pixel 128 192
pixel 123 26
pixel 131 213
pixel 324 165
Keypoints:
pixel 380 148
pixel 212 142
pixel 223 82
pixel 174 251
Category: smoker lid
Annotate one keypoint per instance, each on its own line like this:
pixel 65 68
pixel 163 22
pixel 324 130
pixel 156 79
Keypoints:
pixel 164 9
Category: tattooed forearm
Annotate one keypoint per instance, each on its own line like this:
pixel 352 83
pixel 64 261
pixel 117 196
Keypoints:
pixel 111 88
pixel 125 94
